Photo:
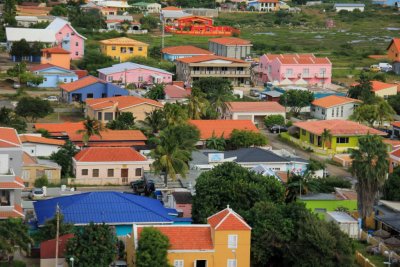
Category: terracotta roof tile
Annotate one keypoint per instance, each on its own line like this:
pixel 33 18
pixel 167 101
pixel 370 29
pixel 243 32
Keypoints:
pixel 112 144
pixel 227 219
pixel 9 137
pixel 55 50
pixel 337 127
pixel 110 135
pixel 18 183
pixel 78 84
pixel 121 102
pixel 48 247
pixel 44 66
pixel 186 50
pixel 81 73
pixel 396 153
pixel 57 129
pixel 17 212
pixel 333 100
pixel 175 91
pixel 378 85
pixel 230 41
pixel 171 8
pixel 396 124
pixel 26 138
pixel 107 154
pixel 199 59
pixel 256 107
pixel 27 159
pixel 396 42
pixel 298 58
pixel 222 127
pixel 122 41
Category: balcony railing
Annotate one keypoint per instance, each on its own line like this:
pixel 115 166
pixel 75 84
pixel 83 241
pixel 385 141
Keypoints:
pixel 212 72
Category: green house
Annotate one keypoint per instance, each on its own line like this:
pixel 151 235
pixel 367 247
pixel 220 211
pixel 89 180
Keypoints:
pixel 344 133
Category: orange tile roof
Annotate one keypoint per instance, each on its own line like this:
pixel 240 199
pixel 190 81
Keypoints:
pixel 122 102
pixel 230 41
pixel 122 41
pixel 17 212
pixel 396 42
pixel 185 237
pixel 55 129
pixel 44 66
pixel 396 153
pixel 333 100
pixel 78 84
pixel 26 138
pixel 227 219
pixel 81 73
pixel 396 124
pixel 175 91
pixel 378 85
pixel 337 127
pixel 186 50
pixel 199 59
pixel 263 106
pixel 55 50
pixel 344 193
pixel 110 135
pixel 9 137
pixel 221 127
pixel 18 183
pixel 392 143
pixel 108 154
pixel 171 8
pixel 112 144
pixel 27 159
pixel 298 58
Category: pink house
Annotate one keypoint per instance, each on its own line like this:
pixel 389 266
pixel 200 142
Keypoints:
pixel 68 38
pixel 294 69
pixel 132 73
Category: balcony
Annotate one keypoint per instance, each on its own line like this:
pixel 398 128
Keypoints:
pixel 322 75
pixel 227 73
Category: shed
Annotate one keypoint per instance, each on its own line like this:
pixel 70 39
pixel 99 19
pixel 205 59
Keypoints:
pixel 346 223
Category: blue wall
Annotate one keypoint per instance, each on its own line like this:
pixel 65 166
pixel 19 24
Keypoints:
pixel 98 89
pixel 387 2
pixel 175 57
pixel 53 76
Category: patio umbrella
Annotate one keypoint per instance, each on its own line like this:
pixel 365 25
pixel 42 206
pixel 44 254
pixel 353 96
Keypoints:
pixel 392 242
pixel 300 81
pixel 381 233
pixel 286 81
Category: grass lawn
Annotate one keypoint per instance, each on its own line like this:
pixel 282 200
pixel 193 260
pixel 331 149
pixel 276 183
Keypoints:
pixel 378 260
pixel 329 205
pixel 61 117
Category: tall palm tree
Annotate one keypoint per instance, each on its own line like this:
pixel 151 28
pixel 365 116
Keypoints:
pixel 91 127
pixel 219 101
pixel 217 143
pixel 370 166
pixel 385 112
pixel 197 104
pixel 325 137
pixel 175 114
pixel 154 120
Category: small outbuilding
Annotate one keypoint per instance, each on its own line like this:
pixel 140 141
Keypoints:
pixel 349 7
pixel 346 223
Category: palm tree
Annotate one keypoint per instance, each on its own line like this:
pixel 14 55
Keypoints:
pixel 299 184
pixel 217 143
pixel 325 137
pixel 175 114
pixel 219 101
pixel 370 166
pixel 197 104
pixel 91 127
pixel 154 120
pixel 385 112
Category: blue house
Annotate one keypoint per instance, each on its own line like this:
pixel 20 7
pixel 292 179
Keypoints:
pixel 121 210
pixel 173 53
pixel 53 76
pixel 395 3
pixel 89 87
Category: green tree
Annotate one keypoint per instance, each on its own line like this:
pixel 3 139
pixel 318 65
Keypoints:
pixel 59 11
pixel 152 248
pixel 94 60
pixel 391 188
pixel 326 136
pixel 394 102
pixel 49 229
pixel 362 90
pixel 365 114
pixel 296 100
pixel 8 118
pixel 155 120
pixel 369 166
pixel 272 120
pixel 385 112
pixel 94 245
pixel 244 138
pixel 125 121
pixel 197 104
pixel 215 142
pixel 91 127
pixel 33 108
pixel 63 157
pixel 9 12
pixel 156 92
pixel 175 114
pixel 149 22
pixel 14 235
pixel 231 184
pixel 20 49
pixel 41 181
pixel 91 19
pixel 44 133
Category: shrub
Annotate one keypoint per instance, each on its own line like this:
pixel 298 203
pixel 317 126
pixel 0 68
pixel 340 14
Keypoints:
pixel 328 184
pixel 274 120
pixel 41 181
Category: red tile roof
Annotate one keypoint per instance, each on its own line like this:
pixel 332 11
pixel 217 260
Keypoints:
pixel 48 248
pixel 227 219
pixel 175 91
pixel 110 135
pixel 230 41
pixel 396 124
pixel 27 159
pixel 55 50
pixel 396 42
pixel 378 85
pixel 60 129
pixel 112 144
pixel 256 107
pixel 17 212
pixel 18 183
pixel 44 66
pixel 9 137
pixel 81 73
pixel 333 100
pixel 78 84
pixel 171 8
pixel 222 127
pixel 122 102
pixel 182 237
pixel 186 50
pixel 26 138
pixel 199 59
pixel 396 153
pixel 107 154
pixel 298 59
pixel 337 127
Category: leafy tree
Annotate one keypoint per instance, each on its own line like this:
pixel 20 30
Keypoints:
pixel 326 136
pixel 20 49
pixel 231 184
pixel 385 112
pixel 59 11
pixel 14 235
pixel 154 120
pixel 156 92
pixel 217 143
pixel 152 248
pixel 197 104
pixel 328 184
pixel 296 100
pixel 91 127
pixel 43 132
pixel 272 120
pixel 362 90
pixel 94 60
pixel 369 166
pixel 125 121
pixel 379 112
pixel 149 22
pixel 49 229
pixel 175 114
pixel 391 188
pixel 394 102
pixel 93 245
pixel 91 19
pixel 63 157
pixel 41 181
pixel 8 118
pixel 9 12
pixel 299 184
pixel 244 138
pixel 33 108
pixel 18 69
pixel 31 79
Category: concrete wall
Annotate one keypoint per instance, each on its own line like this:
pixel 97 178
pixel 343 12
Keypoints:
pixel 39 150
pixel 339 112
pixel 14 159
pixel 239 51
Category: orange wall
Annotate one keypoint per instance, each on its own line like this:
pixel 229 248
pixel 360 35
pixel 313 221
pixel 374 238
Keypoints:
pixel 60 60
pixel 393 53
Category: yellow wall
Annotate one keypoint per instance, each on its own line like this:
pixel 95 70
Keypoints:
pixel 60 60
pixel 118 55
pixel 387 92
pixel 35 170
pixel 223 253
pixel 139 112
pixel 190 257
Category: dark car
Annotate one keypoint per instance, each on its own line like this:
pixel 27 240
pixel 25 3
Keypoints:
pixel 143 186
pixel 278 129
pixel 388 132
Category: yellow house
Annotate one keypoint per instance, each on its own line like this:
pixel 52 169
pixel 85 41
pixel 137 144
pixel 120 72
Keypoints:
pixel 107 109
pixel 384 90
pixel 224 241
pixel 123 48
pixel 34 168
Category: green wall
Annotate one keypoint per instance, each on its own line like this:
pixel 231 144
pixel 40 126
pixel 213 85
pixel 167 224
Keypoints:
pixel 353 141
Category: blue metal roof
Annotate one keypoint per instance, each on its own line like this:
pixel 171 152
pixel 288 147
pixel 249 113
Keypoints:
pixel 109 207
pixel 348 5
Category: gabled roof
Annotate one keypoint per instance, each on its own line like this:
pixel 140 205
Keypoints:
pixel 103 207
pixel 396 42
pixel 176 92
pixel 337 128
pixel 55 50
pixel 81 83
pixel 298 59
pixel 17 212
pixel 109 135
pixel 378 85
pixel 227 219
pixel 60 129
pixel 30 35
pixel 48 66
pixel 9 138
pixel 128 66
pixel 15 183
pixel 396 124
pixel 186 50
pixel 200 59
pixel 396 153
pixel 254 154
pixel 262 106
pixel 57 24
pixel 122 41
pixel 108 154
pixel 26 138
pixel 48 247
pixel 222 127
pixel 122 102
pixel 333 100
pixel 230 41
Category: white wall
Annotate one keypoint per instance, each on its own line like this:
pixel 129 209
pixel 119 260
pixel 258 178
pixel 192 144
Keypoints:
pixel 4 164
pixel 350 9
pixel 337 111
pixel 39 150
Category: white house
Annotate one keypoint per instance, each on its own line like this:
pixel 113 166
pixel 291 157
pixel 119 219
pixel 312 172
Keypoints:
pixel 349 7
pixel 37 146
pixel 333 107
pixel 30 35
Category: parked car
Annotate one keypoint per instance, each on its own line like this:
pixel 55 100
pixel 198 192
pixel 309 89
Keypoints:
pixel 278 128
pixel 36 193
pixel 374 68
pixel 254 92
pixel 143 186
pixel 16 86
pixel 51 98
pixel 385 67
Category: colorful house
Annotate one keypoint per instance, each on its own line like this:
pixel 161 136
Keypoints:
pixel 67 37
pixel 48 251
pixel 176 92
pixel 224 241
pixel 136 74
pixel 294 69
pixel 263 5
pixel 148 7
pixel 384 90
pixel 56 56
pixel 394 159
pixel 53 76
pixel 37 146
pixel 89 87
pixel 34 168
pixel 333 107
pixel 393 50
pixel 59 130
pixel 344 133
pixel 122 23
pixel 394 3
pixel 172 53
pixel 230 47
pixel 123 48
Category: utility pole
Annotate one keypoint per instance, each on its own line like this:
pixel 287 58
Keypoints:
pixel 58 231
pixel 163 32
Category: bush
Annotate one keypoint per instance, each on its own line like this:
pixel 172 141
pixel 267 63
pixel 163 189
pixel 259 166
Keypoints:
pixel 41 181
pixel 243 138
pixel 328 184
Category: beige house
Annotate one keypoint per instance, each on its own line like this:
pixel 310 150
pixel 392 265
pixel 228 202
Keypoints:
pixel 107 109
pixel 34 168
pixel 384 90
pixel 109 165
pixel 230 47
pixel 193 68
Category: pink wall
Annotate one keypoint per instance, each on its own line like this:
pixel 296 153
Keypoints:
pixel 76 44
pixel 132 76
pixel 186 209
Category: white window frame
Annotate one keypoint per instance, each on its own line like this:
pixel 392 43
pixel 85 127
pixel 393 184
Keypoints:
pixel 179 263
pixel 231 263
pixel 232 244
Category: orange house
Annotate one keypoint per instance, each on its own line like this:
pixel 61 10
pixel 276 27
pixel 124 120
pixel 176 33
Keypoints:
pixel 224 241
pixel 56 56
pixel 393 51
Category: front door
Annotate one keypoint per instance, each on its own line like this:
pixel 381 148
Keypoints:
pixel 124 173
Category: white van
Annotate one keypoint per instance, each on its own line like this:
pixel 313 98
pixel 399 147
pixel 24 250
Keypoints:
pixel 385 67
